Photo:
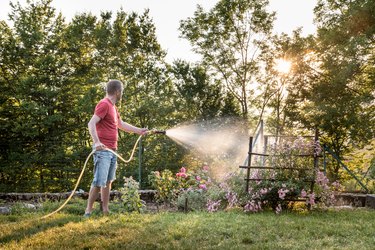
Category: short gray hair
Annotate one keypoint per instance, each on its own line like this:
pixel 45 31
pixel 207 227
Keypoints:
pixel 113 86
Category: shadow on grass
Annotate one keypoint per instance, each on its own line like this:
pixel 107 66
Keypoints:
pixel 32 227
pixel 220 230
pixel 118 231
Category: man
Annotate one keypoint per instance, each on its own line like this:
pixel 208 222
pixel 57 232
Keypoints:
pixel 103 128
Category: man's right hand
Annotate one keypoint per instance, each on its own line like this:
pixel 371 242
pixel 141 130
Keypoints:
pixel 99 146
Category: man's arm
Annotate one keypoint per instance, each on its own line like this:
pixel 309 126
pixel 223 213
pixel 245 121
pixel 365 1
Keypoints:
pixel 94 135
pixel 130 128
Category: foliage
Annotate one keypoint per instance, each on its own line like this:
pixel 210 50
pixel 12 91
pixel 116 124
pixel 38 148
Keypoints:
pixel 38 109
pixel 333 84
pixel 199 98
pixel 361 162
pixel 230 38
pixel 50 72
pixel 130 196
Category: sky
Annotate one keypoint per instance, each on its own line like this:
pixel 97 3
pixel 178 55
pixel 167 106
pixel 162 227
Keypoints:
pixel 167 14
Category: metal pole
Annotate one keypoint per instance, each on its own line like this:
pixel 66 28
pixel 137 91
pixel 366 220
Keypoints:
pixel 140 162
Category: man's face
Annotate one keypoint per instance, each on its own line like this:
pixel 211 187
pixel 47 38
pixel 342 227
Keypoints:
pixel 119 94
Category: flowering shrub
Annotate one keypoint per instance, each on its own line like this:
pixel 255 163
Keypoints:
pixel 213 206
pixel 324 191
pixel 184 179
pixel 165 184
pixel 286 177
pixel 184 183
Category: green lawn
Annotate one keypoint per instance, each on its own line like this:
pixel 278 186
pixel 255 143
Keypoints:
pixel 349 229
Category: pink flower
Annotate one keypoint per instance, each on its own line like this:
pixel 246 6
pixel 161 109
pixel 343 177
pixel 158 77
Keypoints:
pixel 213 206
pixel 198 178
pixel 232 198
pixel 183 170
pixel 223 185
pixel 336 186
pixel 311 199
pixel 182 175
pixel 303 193
pixel 205 168
pixel 253 206
pixel 202 186
pixel 282 192
pixel 322 180
pixel 263 191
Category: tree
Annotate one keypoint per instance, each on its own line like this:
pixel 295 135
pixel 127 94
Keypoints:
pixel 199 98
pixel 334 90
pixel 36 130
pixel 230 38
pixel 50 78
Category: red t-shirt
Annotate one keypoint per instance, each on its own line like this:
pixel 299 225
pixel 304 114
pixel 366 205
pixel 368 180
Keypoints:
pixel 107 127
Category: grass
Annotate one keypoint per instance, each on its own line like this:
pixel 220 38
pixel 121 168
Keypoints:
pixel 345 229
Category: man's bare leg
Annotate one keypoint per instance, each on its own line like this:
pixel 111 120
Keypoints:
pixel 105 191
pixel 93 195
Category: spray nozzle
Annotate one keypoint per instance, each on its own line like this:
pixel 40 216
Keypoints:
pixel 155 131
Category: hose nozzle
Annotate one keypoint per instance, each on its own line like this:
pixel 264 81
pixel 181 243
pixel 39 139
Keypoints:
pixel 161 132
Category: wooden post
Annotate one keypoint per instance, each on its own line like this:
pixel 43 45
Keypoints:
pixel 265 138
pixel 249 164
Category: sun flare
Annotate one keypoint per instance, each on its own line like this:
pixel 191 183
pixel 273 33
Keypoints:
pixel 283 66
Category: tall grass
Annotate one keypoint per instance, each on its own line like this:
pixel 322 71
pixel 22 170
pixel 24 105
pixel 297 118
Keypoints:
pixel 354 229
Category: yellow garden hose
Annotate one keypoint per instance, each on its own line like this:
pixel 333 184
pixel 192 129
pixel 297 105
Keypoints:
pixel 83 170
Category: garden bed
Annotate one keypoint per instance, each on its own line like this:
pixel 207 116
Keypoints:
pixel 33 200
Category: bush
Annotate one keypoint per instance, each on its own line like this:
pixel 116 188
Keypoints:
pixel 130 196
pixel 165 184
pixel 285 179
pixel 184 183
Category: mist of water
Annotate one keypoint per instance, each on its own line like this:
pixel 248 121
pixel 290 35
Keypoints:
pixel 222 143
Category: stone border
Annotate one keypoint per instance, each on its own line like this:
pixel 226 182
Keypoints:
pixel 146 195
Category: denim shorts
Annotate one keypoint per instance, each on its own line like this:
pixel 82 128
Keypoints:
pixel 105 164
